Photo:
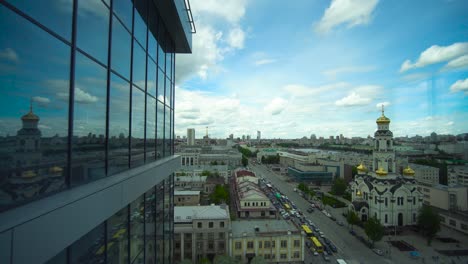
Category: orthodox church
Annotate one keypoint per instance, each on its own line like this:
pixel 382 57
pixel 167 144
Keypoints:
pixel 383 192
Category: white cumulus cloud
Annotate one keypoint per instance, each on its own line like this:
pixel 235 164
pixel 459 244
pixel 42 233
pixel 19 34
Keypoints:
pixel 9 54
pixel 264 61
pixel 437 54
pixel 353 99
pixel 276 106
pixel 41 100
pixel 231 10
pixel 460 62
pixel 236 38
pixel 385 104
pixel 349 12
pixel 460 86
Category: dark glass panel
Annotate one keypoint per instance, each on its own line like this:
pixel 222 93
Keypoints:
pixel 150 238
pixel 117 237
pixel 137 221
pixel 123 9
pixel 167 132
pixel 56 15
pixel 89 121
pixel 167 221
pixel 60 258
pixel 119 114
pixel 93 28
pixel 161 53
pixel 140 26
pixel 138 127
pixel 150 128
pixel 34 81
pixel 169 66
pixel 160 222
pixel 90 248
pixel 161 87
pixel 121 49
pixel 152 33
pixel 151 78
pixel 139 66
pixel 160 130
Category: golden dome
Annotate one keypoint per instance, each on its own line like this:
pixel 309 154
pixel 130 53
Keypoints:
pixel 408 171
pixel 55 169
pixel 29 174
pixel 361 167
pixel 381 172
pixel 383 119
pixel 30 116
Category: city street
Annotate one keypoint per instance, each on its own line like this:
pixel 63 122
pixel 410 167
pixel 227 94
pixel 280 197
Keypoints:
pixel 349 248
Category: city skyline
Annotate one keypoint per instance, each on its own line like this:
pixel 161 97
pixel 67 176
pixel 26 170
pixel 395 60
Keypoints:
pixel 312 71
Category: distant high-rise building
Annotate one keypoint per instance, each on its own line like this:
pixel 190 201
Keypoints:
pixel 88 176
pixel 248 137
pixel 231 136
pixel 191 136
pixel 313 137
pixel 243 137
pixel 259 135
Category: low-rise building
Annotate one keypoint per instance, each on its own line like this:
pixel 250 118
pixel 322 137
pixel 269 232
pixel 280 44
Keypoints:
pixel 186 182
pixel 277 241
pixel 451 198
pixel 200 232
pixel 458 175
pixel 425 174
pixel 248 199
pixel 186 198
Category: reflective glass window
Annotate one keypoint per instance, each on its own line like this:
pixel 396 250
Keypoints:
pixel 151 78
pixel 150 225
pixel 152 33
pixel 89 121
pixel 93 28
pixel 161 88
pixel 90 248
pixel 138 127
pixel 117 237
pixel 119 118
pixel 121 49
pixel 168 95
pixel 160 130
pixel 34 81
pixel 139 66
pixel 167 132
pixel 53 14
pixel 140 28
pixel 137 221
pixel 160 196
pixel 150 128
pixel 123 10
pixel 167 221
pixel 161 57
pixel 169 65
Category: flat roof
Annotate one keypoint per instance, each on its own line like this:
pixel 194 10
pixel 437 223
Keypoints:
pixel 186 192
pixel 188 213
pixel 265 226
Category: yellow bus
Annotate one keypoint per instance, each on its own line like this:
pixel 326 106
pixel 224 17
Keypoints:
pixel 287 207
pixel 317 245
pixel 307 230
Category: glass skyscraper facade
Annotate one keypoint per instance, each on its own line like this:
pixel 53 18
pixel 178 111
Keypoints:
pixel 87 129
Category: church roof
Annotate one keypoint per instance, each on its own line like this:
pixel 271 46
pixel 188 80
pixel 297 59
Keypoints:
pixel 360 204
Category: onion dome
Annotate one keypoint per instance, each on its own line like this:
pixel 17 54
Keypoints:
pixel 361 168
pixel 383 119
pixel 29 174
pixel 30 116
pixel 408 171
pixel 381 172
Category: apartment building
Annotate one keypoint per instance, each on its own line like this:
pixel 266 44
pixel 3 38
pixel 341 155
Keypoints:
pixel 277 241
pixel 200 232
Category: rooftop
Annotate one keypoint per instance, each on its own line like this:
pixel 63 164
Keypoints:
pixel 241 173
pixel 265 227
pixel 186 192
pixel 188 213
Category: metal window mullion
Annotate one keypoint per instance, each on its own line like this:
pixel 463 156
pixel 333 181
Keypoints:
pixel 109 50
pixel 131 94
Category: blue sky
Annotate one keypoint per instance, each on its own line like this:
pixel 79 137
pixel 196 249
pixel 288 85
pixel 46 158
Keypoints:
pixel 324 67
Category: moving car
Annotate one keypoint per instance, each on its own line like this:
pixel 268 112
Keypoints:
pixel 378 251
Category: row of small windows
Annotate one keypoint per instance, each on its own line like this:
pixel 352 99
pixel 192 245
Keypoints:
pixel 210 224
pixel 267 244
pixel 255 204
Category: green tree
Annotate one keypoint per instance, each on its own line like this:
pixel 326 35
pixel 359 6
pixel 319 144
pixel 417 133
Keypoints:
pixel 428 222
pixel 374 230
pixel 245 161
pixel 205 261
pixel 263 159
pixel 352 218
pixel 353 171
pixel 220 194
pixel 258 260
pixel 223 259
pixel 339 187
pixel 205 173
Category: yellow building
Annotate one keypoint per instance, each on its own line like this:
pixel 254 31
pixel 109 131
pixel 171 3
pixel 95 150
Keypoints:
pixel 274 240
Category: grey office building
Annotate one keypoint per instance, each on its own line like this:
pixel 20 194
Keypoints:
pixel 87 129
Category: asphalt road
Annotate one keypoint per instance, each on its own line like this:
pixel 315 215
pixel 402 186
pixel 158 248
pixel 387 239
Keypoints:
pixel 349 247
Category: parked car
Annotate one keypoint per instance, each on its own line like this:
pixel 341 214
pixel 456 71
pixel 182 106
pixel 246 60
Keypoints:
pixel 327 249
pixel 310 210
pixel 340 223
pixel 325 256
pixel 326 240
pixel 333 247
pixel 308 244
pixel 378 251
pixel 352 232
pixel 321 234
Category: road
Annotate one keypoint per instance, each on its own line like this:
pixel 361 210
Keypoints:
pixel 349 248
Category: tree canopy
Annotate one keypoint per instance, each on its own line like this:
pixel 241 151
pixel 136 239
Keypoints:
pixel 428 222
pixel 339 186
pixel 220 194
pixel 352 218
pixel 374 229
pixel 245 161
